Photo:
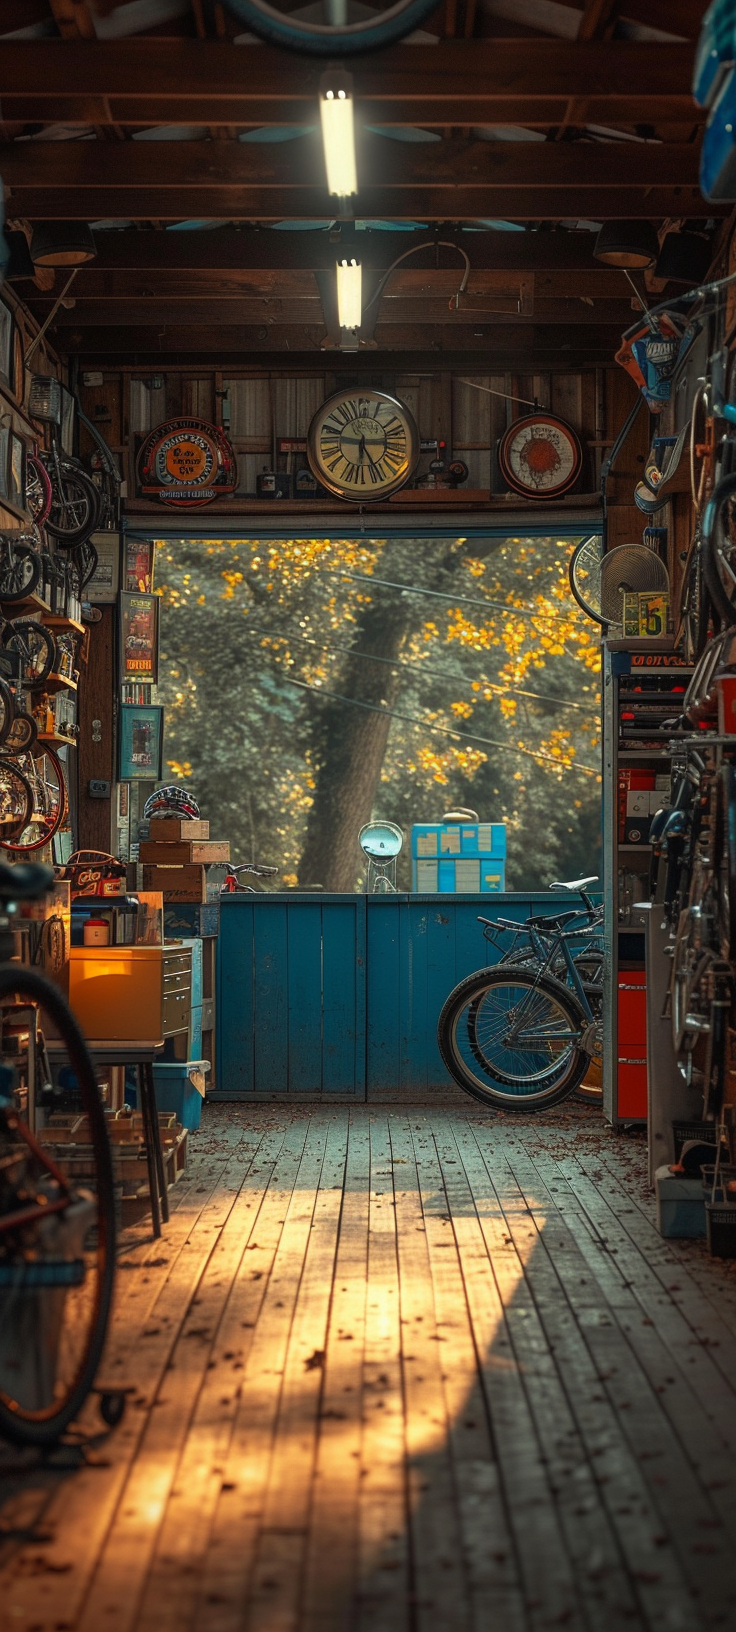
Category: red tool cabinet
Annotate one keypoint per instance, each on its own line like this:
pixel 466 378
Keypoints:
pixel 632 1044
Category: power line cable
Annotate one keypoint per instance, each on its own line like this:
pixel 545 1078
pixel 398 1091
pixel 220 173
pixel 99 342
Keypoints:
pixel 418 668
pixel 465 600
pixel 445 731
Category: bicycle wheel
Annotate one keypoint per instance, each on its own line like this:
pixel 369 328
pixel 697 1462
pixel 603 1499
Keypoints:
pixel 86 562
pixel 36 646
pixel 38 489
pixel 719 550
pixel 724 858
pixel 22 733
pixel 327 39
pixel 45 776
pixel 514 1040
pixel 16 800
pixel 20 570
pixel 75 504
pixel 589 965
pixel 585 576
pixel 7 711
pixel 56 1275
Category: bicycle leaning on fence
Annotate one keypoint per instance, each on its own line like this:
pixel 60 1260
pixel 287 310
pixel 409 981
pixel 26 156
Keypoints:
pixel 521 1035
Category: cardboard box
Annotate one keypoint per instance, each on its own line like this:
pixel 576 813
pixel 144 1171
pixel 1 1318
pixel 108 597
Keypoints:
pixel 177 853
pixel 188 883
pixel 170 829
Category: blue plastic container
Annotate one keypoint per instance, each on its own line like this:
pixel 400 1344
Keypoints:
pixel 180 1086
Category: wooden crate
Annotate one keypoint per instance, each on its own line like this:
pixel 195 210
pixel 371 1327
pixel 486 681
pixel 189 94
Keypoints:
pixel 171 829
pixel 187 883
pixel 179 854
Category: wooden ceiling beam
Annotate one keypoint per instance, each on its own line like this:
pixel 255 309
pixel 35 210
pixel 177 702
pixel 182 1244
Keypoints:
pixel 235 249
pixel 590 167
pixel 483 73
pixel 412 203
pixel 483 308
pixel 600 284
pixel 631 110
pixel 528 348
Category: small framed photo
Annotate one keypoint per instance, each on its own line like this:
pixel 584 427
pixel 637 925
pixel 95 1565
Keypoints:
pixel 140 757
pixel 139 638
pixel 17 470
pixel 139 554
pixel 6 344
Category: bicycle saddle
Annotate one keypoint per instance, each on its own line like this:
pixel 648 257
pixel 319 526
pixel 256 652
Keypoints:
pixel 28 881
pixel 573 884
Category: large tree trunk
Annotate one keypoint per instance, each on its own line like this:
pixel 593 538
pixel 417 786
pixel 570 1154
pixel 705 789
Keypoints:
pixel 350 745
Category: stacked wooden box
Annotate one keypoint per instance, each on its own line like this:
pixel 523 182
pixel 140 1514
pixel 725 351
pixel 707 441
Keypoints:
pixel 177 856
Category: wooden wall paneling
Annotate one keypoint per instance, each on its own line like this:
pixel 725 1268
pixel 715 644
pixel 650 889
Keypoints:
pixel 625 522
pixel 97 758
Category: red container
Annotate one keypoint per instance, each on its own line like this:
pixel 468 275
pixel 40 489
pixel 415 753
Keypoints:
pixel 632 1045
pixel 726 688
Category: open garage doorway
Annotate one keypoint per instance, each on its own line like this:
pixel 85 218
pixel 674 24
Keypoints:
pixel 310 683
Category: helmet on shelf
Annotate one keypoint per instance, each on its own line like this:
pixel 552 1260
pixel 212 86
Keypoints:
pixel 171 801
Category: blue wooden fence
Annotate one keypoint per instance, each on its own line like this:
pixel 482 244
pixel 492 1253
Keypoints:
pixel 340 994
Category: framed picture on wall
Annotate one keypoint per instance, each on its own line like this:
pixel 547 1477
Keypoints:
pixel 4 462
pixel 139 553
pixel 17 470
pixel 6 344
pixel 139 638
pixel 140 757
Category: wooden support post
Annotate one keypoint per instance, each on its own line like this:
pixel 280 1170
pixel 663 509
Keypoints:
pixel 97 723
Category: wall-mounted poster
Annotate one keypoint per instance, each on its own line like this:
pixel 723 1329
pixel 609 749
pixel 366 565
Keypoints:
pixel 139 565
pixel 17 470
pixel 102 589
pixel 141 742
pixel 139 638
pixel 6 344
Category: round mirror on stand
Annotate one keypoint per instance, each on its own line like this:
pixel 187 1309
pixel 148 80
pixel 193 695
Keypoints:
pixel 381 844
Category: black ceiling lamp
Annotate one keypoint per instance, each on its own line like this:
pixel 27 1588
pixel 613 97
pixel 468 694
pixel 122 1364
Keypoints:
pixel 62 243
pixel 628 244
pixel 684 258
pixel 19 264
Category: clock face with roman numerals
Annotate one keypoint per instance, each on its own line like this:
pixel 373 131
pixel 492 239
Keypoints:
pixel 362 445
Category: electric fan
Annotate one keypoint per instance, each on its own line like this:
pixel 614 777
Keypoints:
pixel 629 567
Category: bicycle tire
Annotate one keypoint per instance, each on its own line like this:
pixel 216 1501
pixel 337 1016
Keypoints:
pixel 39 492
pixel 7 711
pixel 15 587
pixel 590 965
pixel 513 1093
pixel 724 606
pixel 21 819
pixel 724 857
pixel 87 502
pixel 587 592
pixel 320 40
pixel 54 823
pixel 13 632
pixel 21 735
pixel 44 1427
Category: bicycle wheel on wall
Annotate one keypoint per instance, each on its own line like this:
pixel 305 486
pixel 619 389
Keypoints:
pixel 338 29
pixel 44 773
pixel 55 1293
pixel 514 1040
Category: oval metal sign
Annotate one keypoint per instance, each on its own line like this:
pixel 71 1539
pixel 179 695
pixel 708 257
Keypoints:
pixel 186 462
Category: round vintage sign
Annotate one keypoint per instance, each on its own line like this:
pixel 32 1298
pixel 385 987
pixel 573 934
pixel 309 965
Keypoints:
pixel 186 462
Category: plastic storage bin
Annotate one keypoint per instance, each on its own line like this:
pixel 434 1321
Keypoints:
pixel 680 1205
pixel 180 1087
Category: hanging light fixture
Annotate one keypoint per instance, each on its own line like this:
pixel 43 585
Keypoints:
pixel 684 258
pixel 336 112
pixel 19 264
pixel 62 243
pixel 349 294
pixel 628 244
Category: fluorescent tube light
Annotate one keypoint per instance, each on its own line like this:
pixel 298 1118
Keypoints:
pixel 349 294
pixel 338 133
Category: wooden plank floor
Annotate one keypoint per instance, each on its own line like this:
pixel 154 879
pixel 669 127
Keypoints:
pixel 407 1369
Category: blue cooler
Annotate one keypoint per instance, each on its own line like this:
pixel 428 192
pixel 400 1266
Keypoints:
pixel 180 1087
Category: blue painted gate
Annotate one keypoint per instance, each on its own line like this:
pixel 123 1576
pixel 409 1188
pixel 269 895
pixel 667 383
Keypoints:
pixel 340 994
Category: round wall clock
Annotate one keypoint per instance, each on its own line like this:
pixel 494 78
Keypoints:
pixel 540 456
pixel 362 445
pixel 187 462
